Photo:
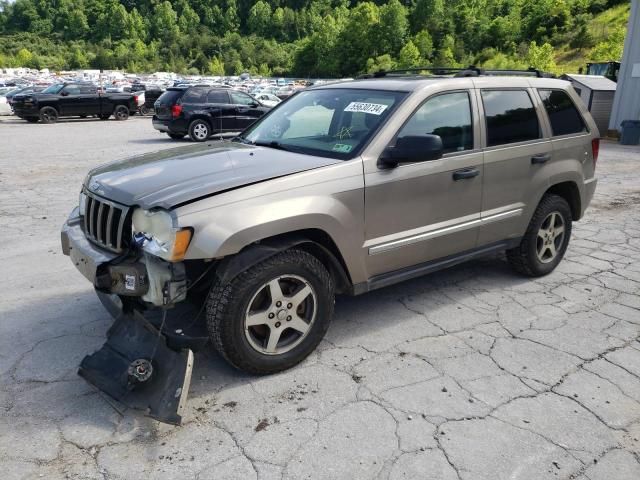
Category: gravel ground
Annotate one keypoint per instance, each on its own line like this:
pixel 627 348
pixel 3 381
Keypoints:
pixel 473 373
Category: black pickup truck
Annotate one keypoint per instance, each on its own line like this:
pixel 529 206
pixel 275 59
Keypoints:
pixel 77 99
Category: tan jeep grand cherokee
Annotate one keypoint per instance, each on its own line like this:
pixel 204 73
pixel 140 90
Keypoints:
pixel 341 189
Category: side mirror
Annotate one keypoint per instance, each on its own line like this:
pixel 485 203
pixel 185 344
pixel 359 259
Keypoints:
pixel 254 104
pixel 412 148
pixel 64 94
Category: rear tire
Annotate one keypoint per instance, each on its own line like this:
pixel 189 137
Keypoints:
pixel 121 113
pixel 546 239
pixel 176 136
pixel 261 328
pixel 199 130
pixel 48 115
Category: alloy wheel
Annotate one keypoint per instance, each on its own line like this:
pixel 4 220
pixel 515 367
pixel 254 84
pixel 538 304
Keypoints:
pixel 550 237
pixel 200 131
pixel 280 315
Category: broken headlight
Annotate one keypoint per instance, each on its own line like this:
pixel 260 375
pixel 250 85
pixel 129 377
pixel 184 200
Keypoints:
pixel 156 233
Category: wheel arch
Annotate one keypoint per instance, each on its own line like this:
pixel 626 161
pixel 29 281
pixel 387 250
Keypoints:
pixel 571 193
pixel 313 241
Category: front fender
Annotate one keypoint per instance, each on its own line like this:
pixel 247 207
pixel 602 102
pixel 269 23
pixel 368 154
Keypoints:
pixel 328 201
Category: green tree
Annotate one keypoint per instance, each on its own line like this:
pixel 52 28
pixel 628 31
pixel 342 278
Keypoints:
pixel 541 57
pixel 216 66
pixel 612 48
pixel 380 63
pixel 259 20
pixel 394 25
pixel 422 40
pixel 188 20
pixel 165 22
pixel 24 58
pixel 409 56
pixel 357 41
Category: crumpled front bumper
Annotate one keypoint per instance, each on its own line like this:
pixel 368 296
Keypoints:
pixel 155 281
pixel 139 365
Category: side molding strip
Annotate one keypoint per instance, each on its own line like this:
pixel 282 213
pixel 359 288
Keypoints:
pixel 403 242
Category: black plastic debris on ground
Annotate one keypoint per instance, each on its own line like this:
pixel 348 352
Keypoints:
pixel 137 368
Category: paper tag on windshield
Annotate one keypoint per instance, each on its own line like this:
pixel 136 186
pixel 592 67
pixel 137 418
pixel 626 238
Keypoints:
pixel 372 108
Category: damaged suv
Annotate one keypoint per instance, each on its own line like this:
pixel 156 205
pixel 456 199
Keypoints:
pixel 341 189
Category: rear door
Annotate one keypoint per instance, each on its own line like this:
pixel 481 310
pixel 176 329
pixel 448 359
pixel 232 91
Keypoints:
pixel 515 149
pixel 221 110
pixel 248 110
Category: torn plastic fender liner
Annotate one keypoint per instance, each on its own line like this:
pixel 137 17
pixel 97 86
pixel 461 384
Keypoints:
pixel 137 368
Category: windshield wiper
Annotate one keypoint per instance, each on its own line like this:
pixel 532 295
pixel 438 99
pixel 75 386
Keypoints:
pixel 241 139
pixel 271 144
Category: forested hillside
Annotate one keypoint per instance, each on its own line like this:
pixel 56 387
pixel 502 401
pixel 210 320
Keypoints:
pixel 308 38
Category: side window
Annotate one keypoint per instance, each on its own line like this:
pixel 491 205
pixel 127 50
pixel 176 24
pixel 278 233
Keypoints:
pixel 195 95
pixel 447 115
pixel 563 114
pixel 72 89
pixel 217 96
pixel 87 89
pixel 511 117
pixel 241 98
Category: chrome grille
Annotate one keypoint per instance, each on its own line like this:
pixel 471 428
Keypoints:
pixel 106 223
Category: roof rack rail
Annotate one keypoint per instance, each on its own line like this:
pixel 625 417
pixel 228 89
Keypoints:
pixel 470 71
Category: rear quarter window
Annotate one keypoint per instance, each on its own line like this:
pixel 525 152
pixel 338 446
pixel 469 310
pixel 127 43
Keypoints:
pixel 195 95
pixel 563 114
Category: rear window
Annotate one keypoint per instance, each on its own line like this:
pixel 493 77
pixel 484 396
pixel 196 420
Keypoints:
pixel 170 96
pixel 563 114
pixel 195 95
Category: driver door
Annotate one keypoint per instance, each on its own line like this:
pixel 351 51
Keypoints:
pixel 422 211
pixel 70 100
pixel 248 110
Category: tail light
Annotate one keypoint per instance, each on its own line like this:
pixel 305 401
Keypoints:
pixel 176 110
pixel 595 149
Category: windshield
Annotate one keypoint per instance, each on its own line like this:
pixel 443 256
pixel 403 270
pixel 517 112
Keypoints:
pixel 54 88
pixel 334 123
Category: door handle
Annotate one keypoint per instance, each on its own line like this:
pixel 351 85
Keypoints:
pixel 541 158
pixel 465 173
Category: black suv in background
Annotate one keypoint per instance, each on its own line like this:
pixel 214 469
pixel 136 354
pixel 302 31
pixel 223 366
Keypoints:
pixel 202 111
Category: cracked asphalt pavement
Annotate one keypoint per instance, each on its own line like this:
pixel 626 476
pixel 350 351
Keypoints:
pixel 472 373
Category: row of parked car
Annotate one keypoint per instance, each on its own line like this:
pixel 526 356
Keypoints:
pixel 198 111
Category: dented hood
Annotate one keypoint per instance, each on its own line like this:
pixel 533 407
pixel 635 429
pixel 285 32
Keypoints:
pixel 177 176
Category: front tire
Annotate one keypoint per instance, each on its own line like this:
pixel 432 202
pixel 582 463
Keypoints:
pixel 273 315
pixel 48 115
pixel 546 239
pixel 199 130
